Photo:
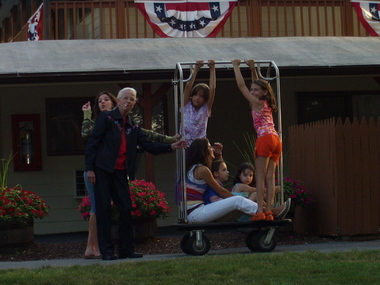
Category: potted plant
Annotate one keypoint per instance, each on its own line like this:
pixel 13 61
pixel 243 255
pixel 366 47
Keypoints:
pixel 299 194
pixel 18 208
pixel 148 204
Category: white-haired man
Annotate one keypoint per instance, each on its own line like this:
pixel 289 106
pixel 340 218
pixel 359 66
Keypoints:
pixel 110 159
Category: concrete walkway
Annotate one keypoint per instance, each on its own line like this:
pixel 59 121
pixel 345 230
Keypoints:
pixel 322 247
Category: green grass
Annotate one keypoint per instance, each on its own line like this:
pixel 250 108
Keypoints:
pixel 354 267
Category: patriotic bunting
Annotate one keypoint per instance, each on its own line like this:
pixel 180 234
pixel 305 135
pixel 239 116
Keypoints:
pixel 368 14
pixel 34 32
pixel 186 18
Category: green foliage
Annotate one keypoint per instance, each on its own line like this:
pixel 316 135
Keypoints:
pixel 248 153
pixel 16 204
pixel 4 172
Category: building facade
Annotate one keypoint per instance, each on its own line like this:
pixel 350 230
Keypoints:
pixel 107 45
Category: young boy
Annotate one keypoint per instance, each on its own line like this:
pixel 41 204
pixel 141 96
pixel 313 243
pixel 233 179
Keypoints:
pixel 220 173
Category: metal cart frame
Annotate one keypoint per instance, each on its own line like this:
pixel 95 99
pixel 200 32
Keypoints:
pixel 195 242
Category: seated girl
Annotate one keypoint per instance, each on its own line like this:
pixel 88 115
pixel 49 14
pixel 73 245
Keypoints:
pixel 199 176
pixel 244 181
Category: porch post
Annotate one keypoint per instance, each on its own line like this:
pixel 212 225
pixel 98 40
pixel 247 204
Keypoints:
pixel 147 102
pixel 147 118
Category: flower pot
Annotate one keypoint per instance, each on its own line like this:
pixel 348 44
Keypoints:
pixel 14 238
pixel 142 228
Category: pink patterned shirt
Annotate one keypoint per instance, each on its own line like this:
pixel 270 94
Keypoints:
pixel 263 121
pixel 195 122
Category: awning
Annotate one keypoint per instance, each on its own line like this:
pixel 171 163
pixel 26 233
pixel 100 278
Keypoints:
pixel 155 58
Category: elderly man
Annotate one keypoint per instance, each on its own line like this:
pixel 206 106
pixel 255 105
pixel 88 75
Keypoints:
pixel 110 159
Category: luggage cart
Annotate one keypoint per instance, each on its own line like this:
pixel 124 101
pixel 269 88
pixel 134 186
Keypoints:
pixel 195 242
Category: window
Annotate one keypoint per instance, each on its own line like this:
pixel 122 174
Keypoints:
pixel 325 105
pixel 80 186
pixel 64 118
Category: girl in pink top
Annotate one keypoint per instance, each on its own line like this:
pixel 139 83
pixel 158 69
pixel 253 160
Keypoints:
pixel 198 102
pixel 268 146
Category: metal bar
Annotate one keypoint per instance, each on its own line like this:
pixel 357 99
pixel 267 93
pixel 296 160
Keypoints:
pixel 180 154
pixel 279 128
pixel 198 239
pixel 269 236
pixel 222 62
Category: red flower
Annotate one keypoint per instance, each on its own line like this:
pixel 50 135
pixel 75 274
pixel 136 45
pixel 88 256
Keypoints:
pixel 147 201
pixel 18 205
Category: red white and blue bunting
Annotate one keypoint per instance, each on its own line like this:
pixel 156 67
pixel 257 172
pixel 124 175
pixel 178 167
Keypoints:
pixel 186 18
pixel 368 14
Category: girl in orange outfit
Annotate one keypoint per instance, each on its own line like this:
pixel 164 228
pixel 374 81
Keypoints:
pixel 268 145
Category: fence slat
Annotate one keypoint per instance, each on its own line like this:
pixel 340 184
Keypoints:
pixel 340 181
pixel 355 175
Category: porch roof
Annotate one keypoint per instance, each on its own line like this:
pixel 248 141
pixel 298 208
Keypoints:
pixel 140 59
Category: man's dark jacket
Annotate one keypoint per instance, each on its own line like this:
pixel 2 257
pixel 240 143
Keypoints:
pixel 104 143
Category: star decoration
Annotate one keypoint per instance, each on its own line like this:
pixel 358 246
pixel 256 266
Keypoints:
pixel 215 8
pixel 158 9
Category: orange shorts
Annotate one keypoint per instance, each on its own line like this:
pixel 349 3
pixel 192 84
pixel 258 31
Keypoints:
pixel 269 146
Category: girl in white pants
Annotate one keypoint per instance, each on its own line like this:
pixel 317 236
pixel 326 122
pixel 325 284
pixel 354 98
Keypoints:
pixel 199 176
pixel 211 212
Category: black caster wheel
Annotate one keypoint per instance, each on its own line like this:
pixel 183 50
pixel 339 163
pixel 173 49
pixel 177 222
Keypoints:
pixel 200 249
pixel 249 240
pixel 184 244
pixel 256 241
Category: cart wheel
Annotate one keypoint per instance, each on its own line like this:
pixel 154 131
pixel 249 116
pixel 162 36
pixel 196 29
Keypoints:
pixel 256 241
pixel 184 243
pixel 249 240
pixel 192 247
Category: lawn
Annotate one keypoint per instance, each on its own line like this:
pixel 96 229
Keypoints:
pixel 354 267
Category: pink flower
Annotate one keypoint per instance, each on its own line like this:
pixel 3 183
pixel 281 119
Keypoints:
pixel 299 194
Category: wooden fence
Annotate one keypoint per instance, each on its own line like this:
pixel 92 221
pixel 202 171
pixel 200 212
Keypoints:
pixel 340 164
